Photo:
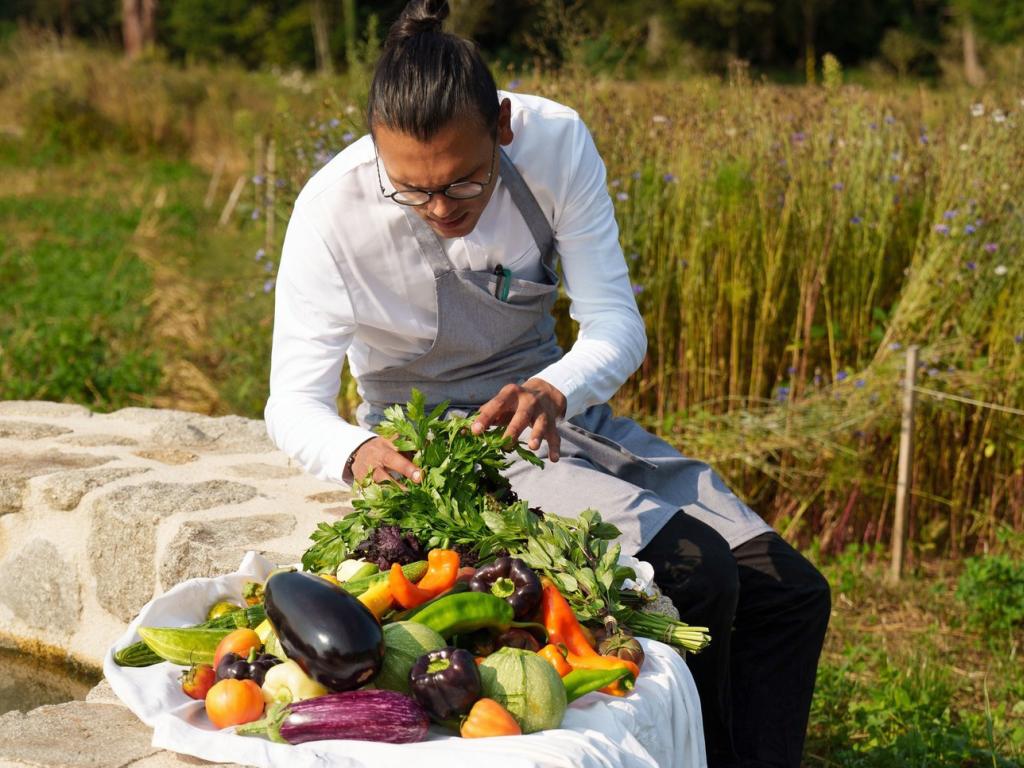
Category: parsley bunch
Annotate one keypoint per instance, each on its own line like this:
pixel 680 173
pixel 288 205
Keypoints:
pixel 462 487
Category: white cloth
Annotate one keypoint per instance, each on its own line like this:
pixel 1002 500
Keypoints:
pixel 352 282
pixel 658 724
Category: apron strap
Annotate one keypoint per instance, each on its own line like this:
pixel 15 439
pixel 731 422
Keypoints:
pixel 528 206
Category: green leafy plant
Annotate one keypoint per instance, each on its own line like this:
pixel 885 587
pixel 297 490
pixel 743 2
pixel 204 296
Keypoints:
pixel 992 586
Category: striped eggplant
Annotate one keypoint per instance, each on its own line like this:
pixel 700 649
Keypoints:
pixel 373 715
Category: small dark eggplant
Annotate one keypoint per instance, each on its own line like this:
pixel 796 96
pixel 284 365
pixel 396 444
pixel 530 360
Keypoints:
pixel 329 633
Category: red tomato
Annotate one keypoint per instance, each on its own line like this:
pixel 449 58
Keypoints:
pixel 241 641
pixel 197 680
pixel 233 702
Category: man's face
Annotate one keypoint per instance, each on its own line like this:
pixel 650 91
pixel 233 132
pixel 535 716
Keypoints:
pixel 462 151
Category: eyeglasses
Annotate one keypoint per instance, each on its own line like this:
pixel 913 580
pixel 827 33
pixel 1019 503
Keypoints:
pixel 459 190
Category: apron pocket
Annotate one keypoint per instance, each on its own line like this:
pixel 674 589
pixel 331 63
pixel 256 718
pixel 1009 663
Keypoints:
pixel 604 451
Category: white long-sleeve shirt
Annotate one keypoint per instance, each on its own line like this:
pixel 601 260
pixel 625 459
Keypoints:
pixel 352 281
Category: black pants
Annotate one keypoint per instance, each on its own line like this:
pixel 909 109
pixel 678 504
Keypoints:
pixel 767 609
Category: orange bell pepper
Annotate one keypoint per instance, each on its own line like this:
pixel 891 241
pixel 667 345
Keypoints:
pixel 442 571
pixel 563 628
pixel 554 656
pixel 489 718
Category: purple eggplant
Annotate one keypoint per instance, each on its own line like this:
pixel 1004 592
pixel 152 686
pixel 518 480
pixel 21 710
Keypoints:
pixel 329 633
pixel 373 715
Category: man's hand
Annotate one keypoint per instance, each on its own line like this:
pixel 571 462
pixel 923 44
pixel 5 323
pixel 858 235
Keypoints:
pixel 535 404
pixel 380 455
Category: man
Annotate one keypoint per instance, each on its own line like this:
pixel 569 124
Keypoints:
pixel 426 253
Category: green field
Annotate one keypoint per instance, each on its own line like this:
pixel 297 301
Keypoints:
pixel 786 246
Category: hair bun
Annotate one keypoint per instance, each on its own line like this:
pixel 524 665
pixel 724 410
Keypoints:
pixel 418 17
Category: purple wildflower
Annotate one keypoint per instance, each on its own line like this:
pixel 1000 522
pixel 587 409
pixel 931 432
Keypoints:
pixel 669 178
pixel 990 247
pixel 268 286
pixel 334 122
pixel 970 229
pixel 255 214
pixel 856 220
pixel 635 175
pixel 889 119
pixel 894 346
pixel 615 183
pixel 634 256
pixel 783 394
pixel 791 370
pixel 260 253
pixel 841 376
pixel 257 180
pixel 934 372
pixel 894 178
pixel 513 84
pixel 637 289
pixel 949 215
pixel 348 137
pixel 268 266
pixel 1019 338
pixel 838 186
pixel 621 196
pixel 923 138
pixel 799 137
pixel 942 229
pixel 971 265
pixel 859 383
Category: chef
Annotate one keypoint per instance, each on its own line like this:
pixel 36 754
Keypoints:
pixel 429 254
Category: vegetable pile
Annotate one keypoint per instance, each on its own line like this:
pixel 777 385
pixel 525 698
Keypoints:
pixel 449 602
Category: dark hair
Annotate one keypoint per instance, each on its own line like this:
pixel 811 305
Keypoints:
pixel 425 77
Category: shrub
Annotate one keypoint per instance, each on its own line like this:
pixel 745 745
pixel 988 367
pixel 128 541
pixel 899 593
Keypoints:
pixel 992 587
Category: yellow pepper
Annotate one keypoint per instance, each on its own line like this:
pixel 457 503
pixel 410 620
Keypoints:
pixel 378 598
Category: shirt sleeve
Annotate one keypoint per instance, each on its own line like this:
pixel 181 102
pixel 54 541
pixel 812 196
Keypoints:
pixel 612 340
pixel 313 327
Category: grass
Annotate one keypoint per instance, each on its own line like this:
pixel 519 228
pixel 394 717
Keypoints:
pixel 72 329
pixel 908 678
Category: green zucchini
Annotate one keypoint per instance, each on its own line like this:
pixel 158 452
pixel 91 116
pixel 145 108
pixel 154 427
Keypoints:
pixel 413 572
pixel 141 655
pixel 184 645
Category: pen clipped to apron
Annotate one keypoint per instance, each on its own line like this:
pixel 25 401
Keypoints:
pixel 501 285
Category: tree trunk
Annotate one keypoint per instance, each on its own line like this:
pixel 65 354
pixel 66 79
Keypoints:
pixel 810 57
pixel 973 72
pixel 66 22
pixel 348 13
pixel 321 37
pixel 131 27
pixel 656 39
pixel 148 16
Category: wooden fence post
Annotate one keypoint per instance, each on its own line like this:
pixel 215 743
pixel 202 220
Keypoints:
pixel 905 469
pixel 271 194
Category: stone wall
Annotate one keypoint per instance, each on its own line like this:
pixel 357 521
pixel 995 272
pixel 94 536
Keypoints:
pixel 100 512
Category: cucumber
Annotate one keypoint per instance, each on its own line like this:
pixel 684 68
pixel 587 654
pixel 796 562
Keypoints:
pixel 413 572
pixel 183 645
pixel 141 655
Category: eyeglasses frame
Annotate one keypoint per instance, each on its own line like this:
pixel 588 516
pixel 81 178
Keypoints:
pixel 430 193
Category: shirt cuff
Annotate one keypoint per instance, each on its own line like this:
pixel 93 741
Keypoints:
pixel 561 378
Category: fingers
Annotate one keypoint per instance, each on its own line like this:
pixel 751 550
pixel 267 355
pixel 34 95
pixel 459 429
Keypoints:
pixel 496 409
pixel 544 429
pixel 397 462
pixel 379 458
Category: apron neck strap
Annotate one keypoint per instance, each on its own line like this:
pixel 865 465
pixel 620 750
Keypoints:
pixel 530 210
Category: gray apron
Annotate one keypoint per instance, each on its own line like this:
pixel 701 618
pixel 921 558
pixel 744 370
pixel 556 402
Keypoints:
pixel 634 479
